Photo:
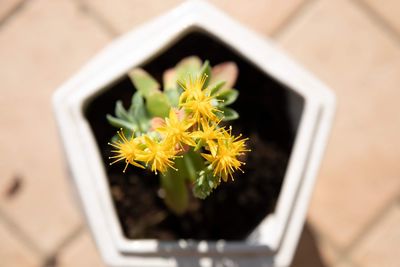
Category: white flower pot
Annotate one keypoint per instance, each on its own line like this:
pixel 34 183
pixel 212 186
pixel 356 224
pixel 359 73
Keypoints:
pixel 274 241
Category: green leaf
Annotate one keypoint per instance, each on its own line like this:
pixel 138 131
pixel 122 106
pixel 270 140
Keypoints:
pixel 120 111
pixel 229 114
pixel 119 123
pixel 176 195
pixel 206 70
pixel 137 105
pixel 214 89
pixel 188 66
pixel 227 97
pixel 169 79
pixel 143 82
pixel 171 89
pixel 173 97
pixel 138 112
pixel 158 105
pixel 205 183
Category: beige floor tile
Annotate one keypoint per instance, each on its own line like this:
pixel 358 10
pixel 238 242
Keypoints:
pixel 341 45
pixel 13 252
pixel 389 10
pixel 380 247
pixel 264 16
pixel 39 49
pixel 6 6
pixel 343 264
pixel 128 14
pixel 80 253
pixel 261 15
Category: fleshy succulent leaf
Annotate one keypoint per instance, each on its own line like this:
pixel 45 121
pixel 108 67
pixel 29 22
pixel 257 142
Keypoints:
pixel 206 70
pixel 205 183
pixel 214 89
pixel 120 111
pixel 227 71
pixel 119 123
pixel 227 97
pixel 138 112
pixel 169 79
pixel 188 66
pixel 173 96
pixel 143 82
pixel 158 104
pixel 229 114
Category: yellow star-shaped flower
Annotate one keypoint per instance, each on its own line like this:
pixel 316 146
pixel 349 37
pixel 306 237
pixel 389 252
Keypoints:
pixel 125 150
pixel 159 154
pixel 192 87
pixel 196 101
pixel 175 130
pixel 225 162
pixel 209 134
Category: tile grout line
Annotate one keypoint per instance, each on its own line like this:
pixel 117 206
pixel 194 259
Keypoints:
pixel 11 14
pixel 20 234
pixel 347 262
pixel 343 254
pixel 322 237
pixel 378 20
pixel 97 18
pixel 51 258
pixel 75 233
pixel 377 218
pixel 292 18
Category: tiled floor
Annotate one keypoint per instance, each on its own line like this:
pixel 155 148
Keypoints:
pixel 352 45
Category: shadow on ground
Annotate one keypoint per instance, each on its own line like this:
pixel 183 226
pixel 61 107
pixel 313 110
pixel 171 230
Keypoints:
pixel 307 254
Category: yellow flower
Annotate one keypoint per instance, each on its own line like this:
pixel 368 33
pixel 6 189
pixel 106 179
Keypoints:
pixel 208 134
pixel 125 150
pixel 159 154
pixel 196 101
pixel 201 108
pixel 175 130
pixel 225 162
pixel 192 87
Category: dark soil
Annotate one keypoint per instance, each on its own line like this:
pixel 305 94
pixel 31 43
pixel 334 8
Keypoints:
pixel 269 115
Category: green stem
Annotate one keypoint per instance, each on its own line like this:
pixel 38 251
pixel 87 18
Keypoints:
pixel 190 168
pixel 174 182
pixel 176 192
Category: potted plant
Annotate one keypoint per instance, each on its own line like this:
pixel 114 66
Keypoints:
pixel 179 132
pixel 284 111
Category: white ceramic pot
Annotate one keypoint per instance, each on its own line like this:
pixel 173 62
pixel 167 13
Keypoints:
pixel 274 241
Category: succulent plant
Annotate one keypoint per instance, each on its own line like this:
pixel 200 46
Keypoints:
pixel 177 132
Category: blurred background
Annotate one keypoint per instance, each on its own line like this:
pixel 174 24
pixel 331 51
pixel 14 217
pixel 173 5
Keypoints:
pixel 351 45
